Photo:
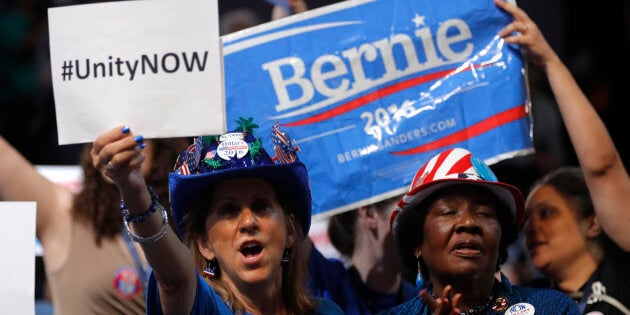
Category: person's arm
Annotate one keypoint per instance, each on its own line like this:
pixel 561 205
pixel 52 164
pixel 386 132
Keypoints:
pixel 605 174
pixel 119 157
pixel 20 181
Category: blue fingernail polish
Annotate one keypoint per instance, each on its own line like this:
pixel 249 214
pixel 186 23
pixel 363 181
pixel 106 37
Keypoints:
pixel 125 129
pixel 142 145
pixel 139 139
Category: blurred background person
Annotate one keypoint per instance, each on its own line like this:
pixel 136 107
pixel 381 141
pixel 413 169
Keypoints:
pixel 566 242
pixel 237 15
pixel 576 217
pixel 91 267
pixel 368 278
pixel 289 7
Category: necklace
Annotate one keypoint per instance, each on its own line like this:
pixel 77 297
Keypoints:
pixel 479 309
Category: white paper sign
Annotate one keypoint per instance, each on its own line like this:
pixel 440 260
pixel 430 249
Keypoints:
pixel 155 66
pixel 17 265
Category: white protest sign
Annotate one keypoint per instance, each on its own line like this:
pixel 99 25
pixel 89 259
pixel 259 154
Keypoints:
pixel 17 230
pixel 155 66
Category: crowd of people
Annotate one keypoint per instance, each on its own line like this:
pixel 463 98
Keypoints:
pixel 221 235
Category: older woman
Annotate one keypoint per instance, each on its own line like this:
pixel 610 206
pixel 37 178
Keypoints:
pixel 455 225
pixel 240 214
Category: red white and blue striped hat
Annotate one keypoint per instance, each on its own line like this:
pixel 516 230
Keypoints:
pixel 452 167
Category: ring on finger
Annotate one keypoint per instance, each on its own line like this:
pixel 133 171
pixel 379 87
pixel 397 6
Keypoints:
pixel 111 167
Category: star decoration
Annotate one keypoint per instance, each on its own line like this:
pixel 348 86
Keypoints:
pixel 418 20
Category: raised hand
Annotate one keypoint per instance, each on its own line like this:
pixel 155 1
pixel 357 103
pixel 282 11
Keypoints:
pixel 524 32
pixel 444 305
pixel 118 155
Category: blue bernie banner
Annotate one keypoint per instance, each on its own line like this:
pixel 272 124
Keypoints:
pixel 372 89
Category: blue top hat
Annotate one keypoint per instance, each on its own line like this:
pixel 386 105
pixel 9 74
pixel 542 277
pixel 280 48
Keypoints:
pixel 212 159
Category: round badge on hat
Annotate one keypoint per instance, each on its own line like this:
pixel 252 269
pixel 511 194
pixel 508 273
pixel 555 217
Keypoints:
pixel 232 145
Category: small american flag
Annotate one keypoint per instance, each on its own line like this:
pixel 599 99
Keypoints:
pixel 184 169
pixel 283 146
pixel 191 158
pixel 198 148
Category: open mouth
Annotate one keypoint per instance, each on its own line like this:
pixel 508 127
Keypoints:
pixel 468 248
pixel 251 252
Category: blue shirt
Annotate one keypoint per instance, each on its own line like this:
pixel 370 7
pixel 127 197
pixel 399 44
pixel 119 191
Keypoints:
pixel 329 278
pixel 209 302
pixel 516 298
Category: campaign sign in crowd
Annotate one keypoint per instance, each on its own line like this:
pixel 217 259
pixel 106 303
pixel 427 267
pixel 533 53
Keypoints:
pixel 370 90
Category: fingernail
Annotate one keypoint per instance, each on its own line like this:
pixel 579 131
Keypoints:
pixel 142 145
pixel 125 129
pixel 139 139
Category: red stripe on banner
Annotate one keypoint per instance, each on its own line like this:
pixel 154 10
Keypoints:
pixel 358 102
pixel 487 124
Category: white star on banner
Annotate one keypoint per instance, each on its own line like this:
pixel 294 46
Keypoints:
pixel 418 20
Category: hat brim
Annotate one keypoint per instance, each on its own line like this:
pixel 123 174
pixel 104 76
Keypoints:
pixel 291 178
pixel 507 194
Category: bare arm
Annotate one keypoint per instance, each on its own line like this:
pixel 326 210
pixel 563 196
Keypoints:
pixel 20 181
pixel 603 169
pixel 171 261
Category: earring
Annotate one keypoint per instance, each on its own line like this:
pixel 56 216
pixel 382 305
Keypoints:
pixel 211 269
pixel 285 256
pixel 419 277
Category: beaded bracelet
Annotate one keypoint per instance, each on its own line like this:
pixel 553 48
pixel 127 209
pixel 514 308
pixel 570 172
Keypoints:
pixel 153 238
pixel 143 216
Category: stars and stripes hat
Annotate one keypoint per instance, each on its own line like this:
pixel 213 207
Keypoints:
pixel 453 167
pixel 212 159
